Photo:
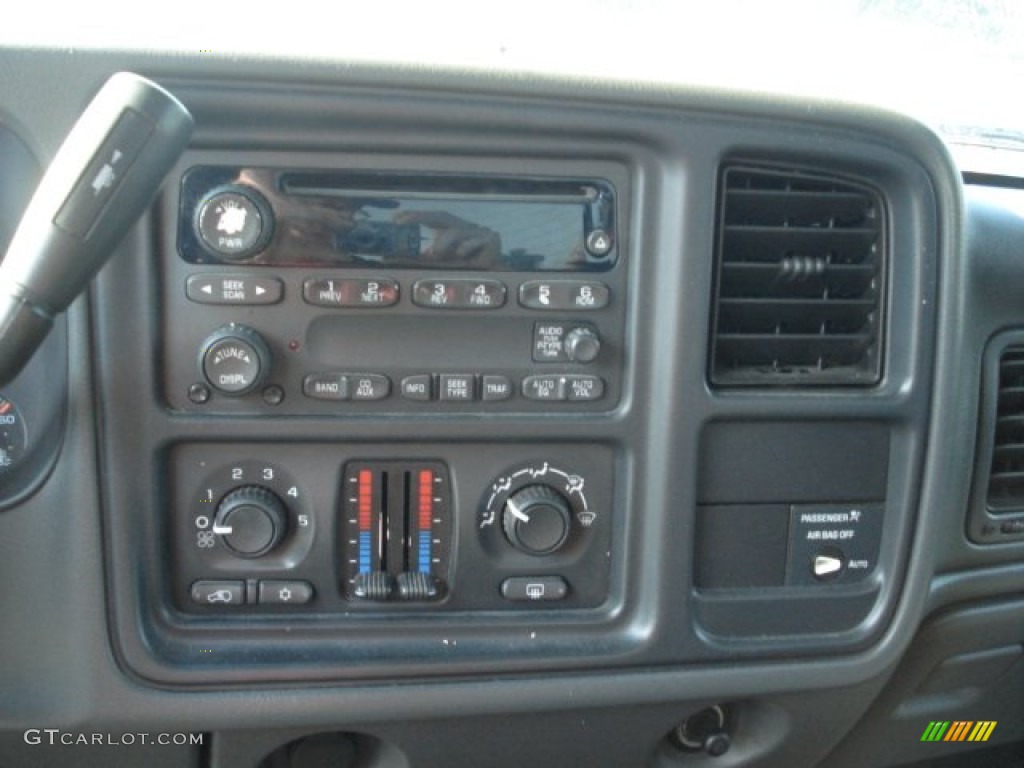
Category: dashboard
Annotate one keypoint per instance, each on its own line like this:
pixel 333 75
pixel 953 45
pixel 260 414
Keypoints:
pixel 449 419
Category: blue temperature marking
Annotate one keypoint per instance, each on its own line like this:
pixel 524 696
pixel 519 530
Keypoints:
pixel 424 552
pixel 364 552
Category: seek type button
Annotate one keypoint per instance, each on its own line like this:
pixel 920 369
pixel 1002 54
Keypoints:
pixel 457 386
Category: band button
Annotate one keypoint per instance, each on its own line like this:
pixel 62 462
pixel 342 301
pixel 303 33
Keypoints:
pixel 325 386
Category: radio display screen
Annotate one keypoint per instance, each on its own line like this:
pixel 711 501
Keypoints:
pixel 274 217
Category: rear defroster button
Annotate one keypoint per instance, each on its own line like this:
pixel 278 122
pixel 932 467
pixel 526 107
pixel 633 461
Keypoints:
pixel 534 588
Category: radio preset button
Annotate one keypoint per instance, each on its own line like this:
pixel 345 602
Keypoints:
pixel 457 386
pixel 436 294
pixel 544 388
pixel 482 294
pixel 417 387
pixel 582 388
pixel 233 289
pixel 496 388
pixel 459 293
pixel 564 294
pixel 325 386
pixel 350 293
pixel 368 386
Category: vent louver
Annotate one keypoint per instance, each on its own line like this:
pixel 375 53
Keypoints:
pixel 1006 475
pixel 800 263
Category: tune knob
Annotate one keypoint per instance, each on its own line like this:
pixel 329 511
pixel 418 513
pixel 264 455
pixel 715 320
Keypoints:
pixel 235 360
pixel 536 520
pixel 251 521
pixel 582 345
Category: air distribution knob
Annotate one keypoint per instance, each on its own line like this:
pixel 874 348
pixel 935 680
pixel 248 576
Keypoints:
pixel 251 521
pixel 536 520
pixel 235 360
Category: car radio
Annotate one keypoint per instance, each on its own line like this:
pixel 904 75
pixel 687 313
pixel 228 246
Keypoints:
pixel 312 291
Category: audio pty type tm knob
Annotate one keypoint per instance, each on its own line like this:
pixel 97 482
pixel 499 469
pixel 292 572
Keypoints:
pixel 582 345
pixel 536 520
pixel 235 360
pixel 251 521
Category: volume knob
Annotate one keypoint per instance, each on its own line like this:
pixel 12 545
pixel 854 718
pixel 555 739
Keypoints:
pixel 536 520
pixel 251 521
pixel 235 360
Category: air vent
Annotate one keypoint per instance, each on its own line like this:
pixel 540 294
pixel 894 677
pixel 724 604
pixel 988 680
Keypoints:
pixel 800 264
pixel 1006 475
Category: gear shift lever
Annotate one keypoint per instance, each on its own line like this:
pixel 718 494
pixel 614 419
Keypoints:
pixel 102 178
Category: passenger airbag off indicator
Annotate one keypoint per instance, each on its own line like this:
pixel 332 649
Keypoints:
pixel 833 543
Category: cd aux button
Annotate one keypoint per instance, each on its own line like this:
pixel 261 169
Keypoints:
pixel 368 386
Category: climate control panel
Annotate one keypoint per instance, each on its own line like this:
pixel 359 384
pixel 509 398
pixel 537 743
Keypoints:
pixel 341 530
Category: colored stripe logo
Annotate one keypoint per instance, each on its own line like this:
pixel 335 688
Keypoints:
pixel 959 730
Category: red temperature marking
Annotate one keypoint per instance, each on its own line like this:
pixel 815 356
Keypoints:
pixel 426 498
pixel 365 499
